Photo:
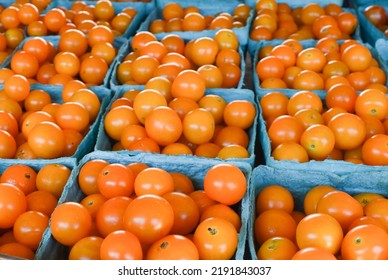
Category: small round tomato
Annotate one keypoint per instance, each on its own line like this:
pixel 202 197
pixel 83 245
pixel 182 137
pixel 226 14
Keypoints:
pixel 198 126
pixel 13 202
pixel 225 183
pixel 173 247
pixel 115 179
pixel 378 208
pixel 313 196
pixel 186 212
pixel 375 150
pixel 70 222
pixel 239 113
pixel 349 130
pixel 277 248
pixel 163 125
pixel 109 216
pixel 274 223
pixel 47 140
pixel 149 217
pixel 121 245
pixel 87 248
pixel 21 176
pixel 342 206
pixel 372 102
pixel 318 140
pixel 29 228
pixel 365 242
pixel 285 128
pixel 216 239
pixel 87 177
pixel 319 230
pixel 226 212
pixel 153 180
pixel 313 253
pixel 274 196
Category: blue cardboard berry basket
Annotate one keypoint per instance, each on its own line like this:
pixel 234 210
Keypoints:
pixel 369 32
pixel 37 165
pixel 299 182
pixel 196 169
pixel 104 143
pixel 338 167
pixel 89 139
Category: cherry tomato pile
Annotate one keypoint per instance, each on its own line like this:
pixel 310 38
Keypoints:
pixel 332 225
pixel 275 20
pixel 175 18
pixel 13 22
pixel 177 124
pixel 139 211
pixel 78 15
pixel 28 197
pixel 319 66
pixel 217 59
pixel 41 125
pixel 351 128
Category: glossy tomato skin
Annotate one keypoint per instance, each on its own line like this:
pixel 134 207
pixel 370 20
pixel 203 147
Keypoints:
pixel 29 227
pixel 115 179
pixel 375 150
pixel 342 206
pixel 349 130
pixel 319 230
pixel 109 216
pixel 47 140
pixel 318 140
pixel 87 248
pixel 225 183
pixel 13 202
pixel 277 248
pixel 365 242
pixel 149 217
pixel 121 245
pixel 376 14
pixel 216 239
pixel 70 222
pixel 173 247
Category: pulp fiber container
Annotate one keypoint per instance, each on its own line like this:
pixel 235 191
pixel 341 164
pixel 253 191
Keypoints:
pixel 299 182
pixel 339 167
pixel 196 169
pixel 369 32
pixel 37 165
pixel 205 8
pixel 89 139
pixel 382 49
pixel 364 3
pixel 105 143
